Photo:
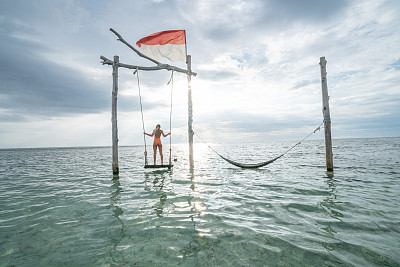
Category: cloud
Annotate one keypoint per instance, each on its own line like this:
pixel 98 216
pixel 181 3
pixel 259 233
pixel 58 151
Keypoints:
pixel 33 85
pixel 257 64
pixel 288 12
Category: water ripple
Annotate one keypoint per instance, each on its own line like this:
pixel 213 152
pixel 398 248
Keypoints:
pixel 64 207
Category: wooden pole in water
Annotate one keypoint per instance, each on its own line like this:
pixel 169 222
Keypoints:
pixel 327 116
pixel 190 112
pixel 115 166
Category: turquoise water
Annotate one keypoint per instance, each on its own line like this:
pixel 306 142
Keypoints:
pixel 63 207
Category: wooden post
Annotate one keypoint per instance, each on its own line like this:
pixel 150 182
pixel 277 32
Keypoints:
pixel 115 166
pixel 190 112
pixel 327 116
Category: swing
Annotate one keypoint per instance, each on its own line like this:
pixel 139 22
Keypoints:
pixel 146 165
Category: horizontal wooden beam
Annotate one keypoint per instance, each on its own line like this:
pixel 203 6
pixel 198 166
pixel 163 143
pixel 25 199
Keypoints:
pixel 107 61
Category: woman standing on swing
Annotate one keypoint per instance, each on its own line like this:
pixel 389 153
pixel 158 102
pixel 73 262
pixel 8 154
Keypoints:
pixel 157 132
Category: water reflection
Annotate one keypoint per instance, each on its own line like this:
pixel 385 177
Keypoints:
pixel 180 210
pixel 331 208
pixel 115 198
pixel 195 200
pixel 330 174
pixel 198 246
pixel 331 201
pixel 159 207
pixel 157 179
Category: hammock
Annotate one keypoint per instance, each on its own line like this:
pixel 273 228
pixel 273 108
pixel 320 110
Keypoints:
pixel 250 166
pixel 261 164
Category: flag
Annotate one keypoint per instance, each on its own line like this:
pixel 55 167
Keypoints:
pixel 168 44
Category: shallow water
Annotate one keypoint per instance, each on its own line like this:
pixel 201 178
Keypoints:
pixel 62 206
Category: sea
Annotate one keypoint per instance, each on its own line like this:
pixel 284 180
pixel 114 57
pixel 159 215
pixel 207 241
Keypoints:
pixel 64 206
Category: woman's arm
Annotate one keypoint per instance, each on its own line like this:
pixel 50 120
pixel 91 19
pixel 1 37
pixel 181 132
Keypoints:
pixel 147 134
pixel 165 135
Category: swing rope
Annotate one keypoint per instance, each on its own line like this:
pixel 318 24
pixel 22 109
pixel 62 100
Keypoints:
pixel 141 111
pixel 258 165
pixel 171 80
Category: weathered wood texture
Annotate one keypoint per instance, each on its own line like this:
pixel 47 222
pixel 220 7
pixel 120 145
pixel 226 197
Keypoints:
pixel 327 116
pixel 107 61
pixel 114 119
pixel 190 113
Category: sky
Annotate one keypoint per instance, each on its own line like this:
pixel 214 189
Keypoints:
pixel 257 63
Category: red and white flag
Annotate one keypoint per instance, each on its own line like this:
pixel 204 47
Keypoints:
pixel 168 44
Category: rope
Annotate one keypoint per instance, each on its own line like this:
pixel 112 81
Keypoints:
pixel 171 80
pixel 141 111
pixel 298 143
pixel 262 163
pixel 210 147
pixel 170 116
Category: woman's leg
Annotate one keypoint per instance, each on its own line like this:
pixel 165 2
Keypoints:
pixel 155 152
pixel 161 155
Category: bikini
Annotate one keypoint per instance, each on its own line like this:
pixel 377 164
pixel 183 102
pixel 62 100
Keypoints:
pixel 157 141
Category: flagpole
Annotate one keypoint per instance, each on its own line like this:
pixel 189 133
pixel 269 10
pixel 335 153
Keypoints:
pixel 190 112
pixel 186 47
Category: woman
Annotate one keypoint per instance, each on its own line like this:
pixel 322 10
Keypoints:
pixel 157 132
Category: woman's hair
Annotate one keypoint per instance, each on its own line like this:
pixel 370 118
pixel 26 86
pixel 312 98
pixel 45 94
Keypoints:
pixel 157 129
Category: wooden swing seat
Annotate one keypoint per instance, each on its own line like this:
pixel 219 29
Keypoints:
pixel 169 166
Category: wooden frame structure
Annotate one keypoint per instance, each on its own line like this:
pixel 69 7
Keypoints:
pixel 159 66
